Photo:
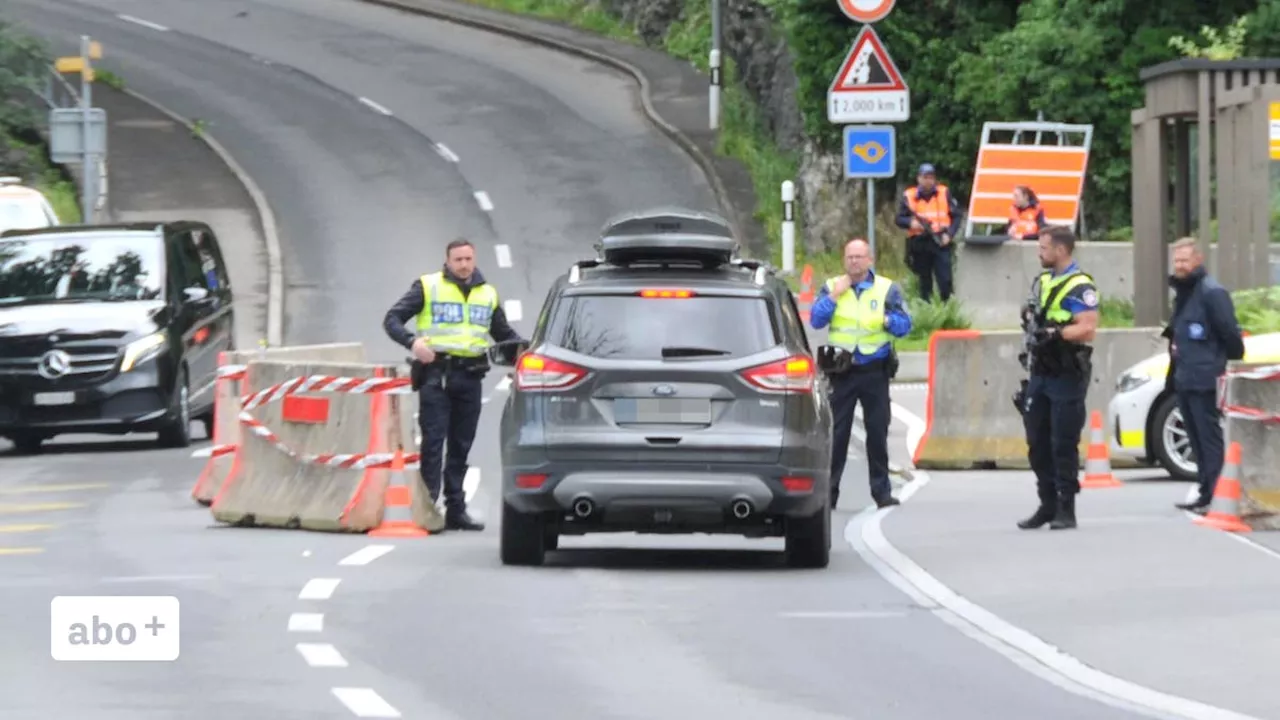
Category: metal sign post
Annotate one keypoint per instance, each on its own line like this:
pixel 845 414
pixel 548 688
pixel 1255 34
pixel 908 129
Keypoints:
pixel 867 89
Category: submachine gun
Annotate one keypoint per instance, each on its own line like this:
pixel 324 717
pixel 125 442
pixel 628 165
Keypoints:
pixel 914 244
pixel 1044 351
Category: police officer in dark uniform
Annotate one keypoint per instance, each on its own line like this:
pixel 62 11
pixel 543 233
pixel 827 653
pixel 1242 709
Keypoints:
pixel 455 311
pixel 930 213
pixel 863 312
pixel 1060 320
pixel 1203 335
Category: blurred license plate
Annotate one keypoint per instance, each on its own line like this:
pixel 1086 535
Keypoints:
pixel 55 398
pixel 668 411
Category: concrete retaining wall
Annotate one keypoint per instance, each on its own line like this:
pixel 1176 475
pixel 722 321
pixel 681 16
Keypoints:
pixel 972 422
pixel 992 281
pixel 1259 447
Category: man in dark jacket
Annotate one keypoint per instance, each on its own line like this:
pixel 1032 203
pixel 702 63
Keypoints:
pixel 453 310
pixel 1203 336
pixel 930 213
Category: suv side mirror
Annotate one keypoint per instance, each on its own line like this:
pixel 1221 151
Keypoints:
pixel 504 354
pixel 194 294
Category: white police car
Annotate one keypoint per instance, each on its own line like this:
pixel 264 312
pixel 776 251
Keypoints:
pixel 1145 421
pixel 24 208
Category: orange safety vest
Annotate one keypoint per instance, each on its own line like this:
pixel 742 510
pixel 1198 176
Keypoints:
pixel 936 210
pixel 1024 222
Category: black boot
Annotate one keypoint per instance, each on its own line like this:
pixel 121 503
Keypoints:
pixel 1043 514
pixel 1065 519
pixel 461 520
pixel 1039 518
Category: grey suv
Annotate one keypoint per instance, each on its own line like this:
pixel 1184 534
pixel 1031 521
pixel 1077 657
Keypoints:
pixel 667 388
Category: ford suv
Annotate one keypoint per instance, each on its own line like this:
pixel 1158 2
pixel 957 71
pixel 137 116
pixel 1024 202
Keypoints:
pixel 668 387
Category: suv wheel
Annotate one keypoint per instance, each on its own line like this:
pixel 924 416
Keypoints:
pixel 809 540
pixel 523 538
pixel 177 434
pixel 27 443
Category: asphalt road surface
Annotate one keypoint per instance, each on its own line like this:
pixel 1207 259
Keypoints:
pixel 526 152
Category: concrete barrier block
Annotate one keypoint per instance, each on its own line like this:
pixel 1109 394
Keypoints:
pixel 973 376
pixel 226 426
pixel 271 488
pixel 1259 444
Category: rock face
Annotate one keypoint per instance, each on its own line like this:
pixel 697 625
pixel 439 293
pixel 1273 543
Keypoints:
pixel 830 207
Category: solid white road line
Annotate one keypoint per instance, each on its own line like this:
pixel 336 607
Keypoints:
pixel 504 255
pixel 306 622
pixel 514 310
pixel 482 197
pixel 374 106
pixel 143 23
pixel 319 589
pixel 366 555
pixel 504 384
pixel 321 655
pixel 471 483
pixel 365 703
pixel 446 153
pixel 842 615
pixel 1027 651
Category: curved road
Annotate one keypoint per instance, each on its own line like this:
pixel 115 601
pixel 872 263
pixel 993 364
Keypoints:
pixel 527 152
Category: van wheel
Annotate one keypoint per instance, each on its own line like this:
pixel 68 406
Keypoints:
pixel 808 540
pixel 177 434
pixel 523 537
pixel 27 443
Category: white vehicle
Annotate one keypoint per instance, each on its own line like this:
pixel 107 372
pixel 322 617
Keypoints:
pixel 24 208
pixel 1145 421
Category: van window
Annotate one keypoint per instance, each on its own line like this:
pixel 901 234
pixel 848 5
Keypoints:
pixel 629 327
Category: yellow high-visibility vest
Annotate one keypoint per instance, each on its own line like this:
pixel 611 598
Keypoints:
pixel 1047 284
pixel 858 323
pixel 454 323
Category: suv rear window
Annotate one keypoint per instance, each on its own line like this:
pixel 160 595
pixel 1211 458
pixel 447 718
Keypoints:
pixel 628 327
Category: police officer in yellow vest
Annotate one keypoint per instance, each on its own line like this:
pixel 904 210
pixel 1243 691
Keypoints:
pixel 864 312
pixel 1060 320
pixel 455 312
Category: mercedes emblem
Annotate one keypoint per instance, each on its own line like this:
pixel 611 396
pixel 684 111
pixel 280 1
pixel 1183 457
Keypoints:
pixel 54 365
pixel 664 390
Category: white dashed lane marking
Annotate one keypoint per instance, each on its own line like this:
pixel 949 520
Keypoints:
pixel 504 255
pixel 143 23
pixel 482 198
pixel 374 106
pixel 366 555
pixel 321 655
pixel 514 310
pixel 365 703
pixel 306 622
pixel 446 153
pixel 319 589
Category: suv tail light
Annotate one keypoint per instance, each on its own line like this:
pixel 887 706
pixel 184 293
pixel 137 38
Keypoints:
pixel 793 375
pixel 536 372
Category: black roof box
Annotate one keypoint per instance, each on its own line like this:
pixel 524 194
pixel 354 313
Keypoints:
pixel 668 234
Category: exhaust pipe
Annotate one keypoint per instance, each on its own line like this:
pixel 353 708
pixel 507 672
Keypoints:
pixel 583 507
pixel 741 509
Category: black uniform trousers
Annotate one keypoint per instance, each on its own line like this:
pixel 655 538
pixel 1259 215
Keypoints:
pixel 1203 422
pixel 933 260
pixel 1054 417
pixel 869 385
pixel 449 404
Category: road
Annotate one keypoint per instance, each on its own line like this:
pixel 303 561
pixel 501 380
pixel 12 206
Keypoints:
pixel 366 195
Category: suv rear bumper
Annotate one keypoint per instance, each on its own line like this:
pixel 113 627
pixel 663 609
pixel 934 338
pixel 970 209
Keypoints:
pixel 697 494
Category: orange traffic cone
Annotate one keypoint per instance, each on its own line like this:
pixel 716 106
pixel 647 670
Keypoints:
pixel 397 512
pixel 1224 510
pixel 1097 462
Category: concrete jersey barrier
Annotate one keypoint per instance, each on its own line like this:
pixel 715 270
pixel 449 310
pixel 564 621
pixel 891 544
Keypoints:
pixel 971 422
pixel 1252 406
pixel 226 407
pixel 272 487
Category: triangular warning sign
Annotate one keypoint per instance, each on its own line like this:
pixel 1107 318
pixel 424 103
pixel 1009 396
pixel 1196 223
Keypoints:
pixel 868 67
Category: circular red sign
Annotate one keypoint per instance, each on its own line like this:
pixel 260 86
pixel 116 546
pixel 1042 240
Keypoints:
pixel 866 11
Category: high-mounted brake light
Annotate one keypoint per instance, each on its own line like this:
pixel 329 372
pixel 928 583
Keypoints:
pixel 535 372
pixel 665 293
pixel 793 375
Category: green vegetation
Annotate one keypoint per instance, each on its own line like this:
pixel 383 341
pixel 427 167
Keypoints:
pixel 24 63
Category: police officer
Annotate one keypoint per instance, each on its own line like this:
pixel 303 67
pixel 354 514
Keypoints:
pixel 1203 335
pixel 930 213
pixel 454 310
pixel 865 311
pixel 1061 320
